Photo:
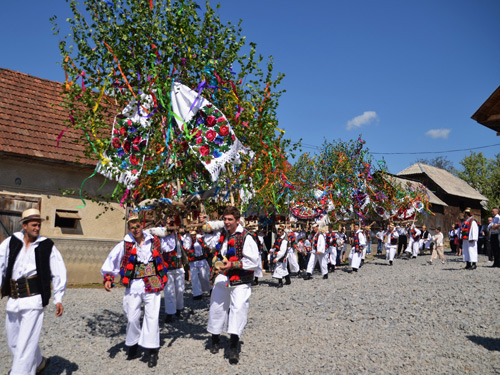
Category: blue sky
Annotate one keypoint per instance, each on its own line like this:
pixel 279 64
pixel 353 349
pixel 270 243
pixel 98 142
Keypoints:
pixel 407 75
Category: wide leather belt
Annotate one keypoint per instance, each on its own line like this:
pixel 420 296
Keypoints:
pixel 24 287
pixel 202 257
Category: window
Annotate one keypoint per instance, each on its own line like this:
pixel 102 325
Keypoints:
pixel 67 219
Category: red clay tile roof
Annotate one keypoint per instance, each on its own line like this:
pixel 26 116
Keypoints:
pixel 31 119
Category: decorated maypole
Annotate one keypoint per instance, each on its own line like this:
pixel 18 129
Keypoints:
pixel 169 107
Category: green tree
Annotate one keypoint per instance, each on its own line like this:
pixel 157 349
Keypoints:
pixel 125 48
pixel 439 162
pixel 482 174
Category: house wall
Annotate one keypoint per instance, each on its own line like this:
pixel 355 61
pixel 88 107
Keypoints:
pixel 29 183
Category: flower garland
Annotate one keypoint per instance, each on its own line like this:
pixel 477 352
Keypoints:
pixel 230 255
pixel 465 229
pixel 357 248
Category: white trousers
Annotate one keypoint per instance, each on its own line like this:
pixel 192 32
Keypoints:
pixel 291 258
pixel 390 251
pixel 332 255
pixel 469 251
pixel 200 277
pixel 321 258
pixel 410 245
pixel 149 335
pixel 415 248
pixel 355 258
pixel 174 290
pixel 23 332
pixel 280 271
pixel 228 307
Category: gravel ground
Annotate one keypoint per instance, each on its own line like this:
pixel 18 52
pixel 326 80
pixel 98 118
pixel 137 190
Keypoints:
pixel 411 318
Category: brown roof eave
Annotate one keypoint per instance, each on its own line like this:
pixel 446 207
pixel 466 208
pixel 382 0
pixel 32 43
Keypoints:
pixel 88 164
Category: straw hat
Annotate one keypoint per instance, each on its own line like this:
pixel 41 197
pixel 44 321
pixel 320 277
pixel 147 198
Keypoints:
pixel 30 214
pixel 133 217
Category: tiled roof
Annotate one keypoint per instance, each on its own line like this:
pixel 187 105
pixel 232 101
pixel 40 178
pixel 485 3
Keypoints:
pixel 31 120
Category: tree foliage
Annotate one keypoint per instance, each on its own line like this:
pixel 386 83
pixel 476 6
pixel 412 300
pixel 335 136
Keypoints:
pixel 125 48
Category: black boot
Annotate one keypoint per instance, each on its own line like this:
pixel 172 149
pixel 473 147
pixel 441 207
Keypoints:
pixel 280 283
pixel 169 318
pixel 287 280
pixel 256 281
pixel 132 351
pixel 153 357
pixel 325 276
pixel 473 266
pixel 215 344
pixel 467 266
pixel 234 355
pixel 390 262
pixel 178 314
pixel 308 276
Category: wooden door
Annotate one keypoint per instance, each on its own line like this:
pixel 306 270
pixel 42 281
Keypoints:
pixel 11 209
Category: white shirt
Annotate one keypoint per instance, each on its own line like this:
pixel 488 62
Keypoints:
pixel 25 266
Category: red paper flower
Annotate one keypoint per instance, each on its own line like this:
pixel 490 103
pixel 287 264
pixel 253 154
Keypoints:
pixel 210 135
pixel 130 266
pixel 116 143
pixel 134 160
pixel 125 280
pixel 165 278
pixel 231 242
pixel 155 253
pixel 210 121
pixel 137 140
pixel 159 267
pixel 234 278
pixel 123 131
pixel 133 251
pixel 233 259
pixel 204 150
pixel 199 140
pixel 221 119
pixel 223 130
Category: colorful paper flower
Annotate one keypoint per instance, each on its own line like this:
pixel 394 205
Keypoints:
pixel 116 142
pixel 204 150
pixel 223 130
pixel 211 121
pixel 134 160
pixel 210 135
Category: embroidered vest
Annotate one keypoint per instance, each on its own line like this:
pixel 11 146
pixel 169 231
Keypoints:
pixel 355 242
pixel 330 239
pixel 466 229
pixel 277 246
pixel 42 261
pixel 239 276
pixel 393 240
pixel 152 284
pixel 192 257
pixel 172 260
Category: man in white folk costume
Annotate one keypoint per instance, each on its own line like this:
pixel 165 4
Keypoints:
pixel 198 253
pixel 236 258
pixel 317 254
pixel 176 280
pixel 280 258
pixel 28 264
pixel 331 248
pixel 469 234
pixel 390 238
pixel 138 260
pixel 291 257
pixel 358 243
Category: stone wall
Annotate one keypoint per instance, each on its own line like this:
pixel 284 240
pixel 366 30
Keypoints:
pixel 84 258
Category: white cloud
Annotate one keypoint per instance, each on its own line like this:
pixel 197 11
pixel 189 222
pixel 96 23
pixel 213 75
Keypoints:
pixel 365 119
pixel 438 133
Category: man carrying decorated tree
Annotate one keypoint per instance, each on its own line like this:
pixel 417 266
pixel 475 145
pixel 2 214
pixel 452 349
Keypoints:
pixel 236 258
pixel 390 239
pixel 138 260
